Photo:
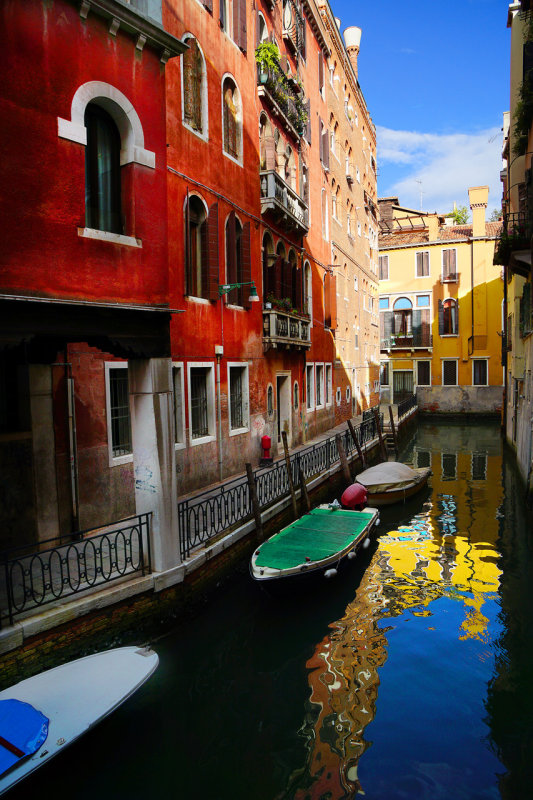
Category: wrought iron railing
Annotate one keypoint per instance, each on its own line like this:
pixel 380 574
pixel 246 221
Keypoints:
pixel 405 407
pixel 211 513
pixel 515 235
pixel 57 570
pixel 277 195
pixel 414 339
pixel 282 92
pixel 284 328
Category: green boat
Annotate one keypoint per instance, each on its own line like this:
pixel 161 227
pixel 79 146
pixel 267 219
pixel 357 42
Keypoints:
pixel 315 543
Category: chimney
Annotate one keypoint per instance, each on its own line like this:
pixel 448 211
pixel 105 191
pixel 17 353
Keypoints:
pixel 352 40
pixel 479 198
pixel 433 227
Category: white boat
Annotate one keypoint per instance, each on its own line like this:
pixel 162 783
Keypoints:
pixel 392 482
pixel 42 715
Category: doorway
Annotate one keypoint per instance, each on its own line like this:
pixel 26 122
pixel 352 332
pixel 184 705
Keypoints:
pixel 402 385
pixel 283 406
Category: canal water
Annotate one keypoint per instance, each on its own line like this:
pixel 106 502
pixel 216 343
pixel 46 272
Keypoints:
pixel 410 675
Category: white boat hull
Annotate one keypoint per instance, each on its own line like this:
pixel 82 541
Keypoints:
pixel 75 696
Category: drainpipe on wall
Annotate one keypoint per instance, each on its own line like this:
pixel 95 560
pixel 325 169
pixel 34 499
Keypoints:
pixel 219 351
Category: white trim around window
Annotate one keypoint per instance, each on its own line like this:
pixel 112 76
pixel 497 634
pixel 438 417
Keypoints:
pixel 204 133
pixel 320 376
pixel 423 361
pixel 444 361
pixel 486 360
pixel 240 369
pixel 422 253
pixel 210 435
pixel 328 384
pixel 115 460
pixel 178 385
pixel 310 386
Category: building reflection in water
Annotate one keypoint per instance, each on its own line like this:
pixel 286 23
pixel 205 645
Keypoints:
pixel 447 549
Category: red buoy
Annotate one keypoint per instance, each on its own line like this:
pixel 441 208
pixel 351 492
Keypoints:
pixel 354 497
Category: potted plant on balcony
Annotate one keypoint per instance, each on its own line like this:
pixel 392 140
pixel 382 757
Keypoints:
pixel 267 57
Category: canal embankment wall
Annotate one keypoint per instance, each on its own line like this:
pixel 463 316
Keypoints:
pixel 140 609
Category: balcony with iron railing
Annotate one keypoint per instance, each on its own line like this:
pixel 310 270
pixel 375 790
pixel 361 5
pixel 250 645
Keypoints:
pixel 285 330
pixel 284 97
pixel 282 202
pixel 408 341
pixel 515 237
pixel 450 277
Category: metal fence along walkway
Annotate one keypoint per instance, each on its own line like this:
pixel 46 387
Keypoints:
pixel 213 512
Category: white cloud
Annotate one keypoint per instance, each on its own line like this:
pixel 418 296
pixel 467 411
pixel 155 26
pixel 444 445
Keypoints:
pixel 447 164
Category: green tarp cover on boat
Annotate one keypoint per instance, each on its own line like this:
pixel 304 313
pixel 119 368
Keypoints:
pixel 317 535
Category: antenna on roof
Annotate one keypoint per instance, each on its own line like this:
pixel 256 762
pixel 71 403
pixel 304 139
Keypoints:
pixel 421 192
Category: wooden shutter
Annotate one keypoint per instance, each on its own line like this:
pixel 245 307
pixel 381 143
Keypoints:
pixel 330 301
pixel 320 71
pixel 387 326
pixel 231 261
pixel 308 124
pixel 246 262
pixel 239 23
pixel 303 40
pixel 441 318
pixel 187 247
pixel 210 253
pixel 257 39
pixel 417 327
pixel 209 5
pixel 277 277
pixel 298 289
pixel 325 145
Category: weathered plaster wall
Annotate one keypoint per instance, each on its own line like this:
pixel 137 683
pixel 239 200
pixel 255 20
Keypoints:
pixel 460 399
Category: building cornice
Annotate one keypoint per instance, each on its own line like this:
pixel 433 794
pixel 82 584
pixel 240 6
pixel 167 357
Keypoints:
pixel 316 25
pixel 145 31
pixel 439 242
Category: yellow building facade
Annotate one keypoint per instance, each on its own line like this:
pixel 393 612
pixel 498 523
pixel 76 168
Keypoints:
pixel 440 299
pixel 514 250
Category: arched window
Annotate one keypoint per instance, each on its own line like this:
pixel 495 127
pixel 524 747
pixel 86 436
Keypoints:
pixel 448 317
pixel 308 289
pixel 262 30
pixel 269 259
pixel 194 87
pixel 238 267
pixel 295 281
pixel 296 396
pixel 196 272
pixel 103 209
pixel 290 167
pixel 270 400
pixel 325 221
pixel 232 119
pixel 267 147
pixel 403 312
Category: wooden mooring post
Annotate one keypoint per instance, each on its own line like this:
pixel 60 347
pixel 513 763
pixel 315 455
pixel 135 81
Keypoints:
pixel 393 429
pixel 344 461
pixel 358 447
pixel 255 501
pixel 289 474
pixel 380 435
pixel 304 495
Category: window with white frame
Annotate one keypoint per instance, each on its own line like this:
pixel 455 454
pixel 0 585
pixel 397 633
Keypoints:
pixel 358 228
pixel 384 373
pixel 270 401
pixel 449 265
pixel 423 373
pixel 201 389
pixel 179 405
pixel 296 396
pixel 118 413
pixel 238 398
pixel 338 395
pixel 480 372
pixel 319 378
pixel 422 264
pixel 348 394
pixel 329 384
pixel 231 119
pixel 310 386
pixel 449 372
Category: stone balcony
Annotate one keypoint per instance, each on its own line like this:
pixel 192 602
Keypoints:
pixel 278 199
pixel 284 330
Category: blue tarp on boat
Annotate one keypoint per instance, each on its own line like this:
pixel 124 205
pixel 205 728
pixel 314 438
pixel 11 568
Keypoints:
pixel 23 730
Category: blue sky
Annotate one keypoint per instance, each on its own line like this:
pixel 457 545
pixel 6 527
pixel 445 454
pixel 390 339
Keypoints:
pixel 435 77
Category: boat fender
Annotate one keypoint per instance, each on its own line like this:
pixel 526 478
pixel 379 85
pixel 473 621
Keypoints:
pixel 330 573
pixel 352 554
pixel 366 542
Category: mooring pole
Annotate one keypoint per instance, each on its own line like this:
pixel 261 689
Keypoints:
pixel 358 447
pixel 304 496
pixel 344 461
pixel 289 474
pixel 380 435
pixel 393 428
pixel 252 488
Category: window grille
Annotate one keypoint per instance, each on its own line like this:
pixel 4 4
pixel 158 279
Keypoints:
pixel 120 412
pixel 449 373
pixel 199 411
pixel 480 370
pixel 236 399
pixel 423 373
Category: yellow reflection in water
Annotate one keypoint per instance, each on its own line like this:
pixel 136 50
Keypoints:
pixel 448 549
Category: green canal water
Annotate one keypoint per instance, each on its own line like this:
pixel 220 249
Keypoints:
pixel 410 675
